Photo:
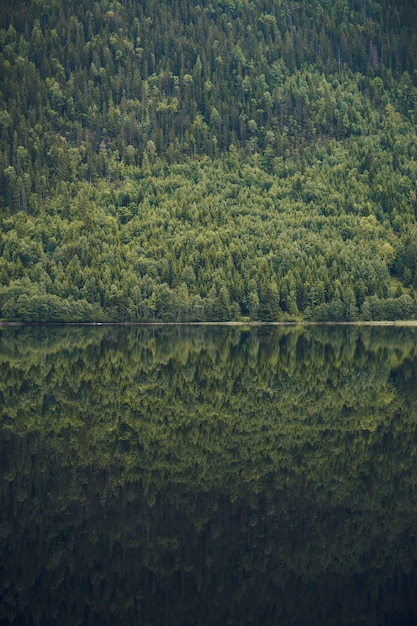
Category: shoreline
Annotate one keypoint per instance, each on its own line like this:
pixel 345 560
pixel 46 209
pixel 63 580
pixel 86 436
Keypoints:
pixel 409 323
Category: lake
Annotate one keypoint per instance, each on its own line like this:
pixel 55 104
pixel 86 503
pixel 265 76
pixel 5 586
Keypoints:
pixel 203 475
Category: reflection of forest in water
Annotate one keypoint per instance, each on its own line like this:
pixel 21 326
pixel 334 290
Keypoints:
pixel 202 475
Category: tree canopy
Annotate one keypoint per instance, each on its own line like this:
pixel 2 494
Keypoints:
pixel 214 161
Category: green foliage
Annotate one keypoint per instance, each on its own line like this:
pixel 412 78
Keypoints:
pixel 182 161
pixel 202 241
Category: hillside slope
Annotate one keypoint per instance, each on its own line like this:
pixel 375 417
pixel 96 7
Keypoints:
pixel 222 160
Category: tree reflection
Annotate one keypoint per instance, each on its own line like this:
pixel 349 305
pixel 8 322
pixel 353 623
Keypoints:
pixel 208 475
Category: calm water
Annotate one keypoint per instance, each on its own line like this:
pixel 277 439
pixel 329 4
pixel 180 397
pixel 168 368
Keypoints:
pixel 208 476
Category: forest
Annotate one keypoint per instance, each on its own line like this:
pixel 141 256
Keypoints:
pixel 169 160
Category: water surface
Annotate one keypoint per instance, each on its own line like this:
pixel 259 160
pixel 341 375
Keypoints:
pixel 208 476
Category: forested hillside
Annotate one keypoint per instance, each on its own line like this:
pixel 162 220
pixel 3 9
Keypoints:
pixel 220 160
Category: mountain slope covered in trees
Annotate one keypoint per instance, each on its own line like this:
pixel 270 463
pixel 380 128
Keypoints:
pixel 218 160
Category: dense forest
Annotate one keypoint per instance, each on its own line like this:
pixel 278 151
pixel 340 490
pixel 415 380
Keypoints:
pixel 222 160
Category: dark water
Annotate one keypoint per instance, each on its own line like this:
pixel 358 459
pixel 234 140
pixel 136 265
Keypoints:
pixel 208 476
